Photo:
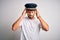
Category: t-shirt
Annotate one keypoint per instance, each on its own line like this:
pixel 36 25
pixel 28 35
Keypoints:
pixel 30 29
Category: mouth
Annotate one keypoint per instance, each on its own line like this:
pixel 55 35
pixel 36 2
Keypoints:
pixel 30 16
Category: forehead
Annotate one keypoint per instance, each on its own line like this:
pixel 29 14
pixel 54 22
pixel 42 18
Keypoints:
pixel 29 11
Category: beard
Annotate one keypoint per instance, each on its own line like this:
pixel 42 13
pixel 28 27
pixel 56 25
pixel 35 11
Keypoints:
pixel 30 17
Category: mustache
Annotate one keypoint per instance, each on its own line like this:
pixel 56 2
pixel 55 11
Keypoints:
pixel 30 15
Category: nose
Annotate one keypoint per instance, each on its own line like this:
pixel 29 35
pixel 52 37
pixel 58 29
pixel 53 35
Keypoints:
pixel 31 13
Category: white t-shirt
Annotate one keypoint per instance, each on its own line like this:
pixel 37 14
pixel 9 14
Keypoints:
pixel 30 29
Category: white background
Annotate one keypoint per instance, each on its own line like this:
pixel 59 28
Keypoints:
pixel 11 10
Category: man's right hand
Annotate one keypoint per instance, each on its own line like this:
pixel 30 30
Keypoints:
pixel 16 24
pixel 24 12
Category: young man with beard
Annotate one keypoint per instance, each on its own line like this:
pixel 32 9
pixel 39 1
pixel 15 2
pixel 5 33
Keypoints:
pixel 30 25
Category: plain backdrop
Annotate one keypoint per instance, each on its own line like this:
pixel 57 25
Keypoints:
pixel 11 10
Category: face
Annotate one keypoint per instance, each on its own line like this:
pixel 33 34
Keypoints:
pixel 30 14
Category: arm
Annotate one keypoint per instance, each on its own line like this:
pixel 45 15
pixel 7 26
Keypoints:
pixel 43 23
pixel 16 24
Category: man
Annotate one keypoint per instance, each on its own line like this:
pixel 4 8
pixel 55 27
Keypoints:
pixel 30 26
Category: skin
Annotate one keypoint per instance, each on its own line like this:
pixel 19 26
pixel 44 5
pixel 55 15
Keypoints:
pixel 30 14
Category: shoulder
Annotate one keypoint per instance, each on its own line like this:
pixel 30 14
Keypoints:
pixel 37 21
pixel 25 19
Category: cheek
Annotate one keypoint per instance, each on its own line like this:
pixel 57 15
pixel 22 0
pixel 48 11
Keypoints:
pixel 32 13
pixel 28 14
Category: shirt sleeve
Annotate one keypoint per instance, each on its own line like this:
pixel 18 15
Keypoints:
pixel 39 24
pixel 21 23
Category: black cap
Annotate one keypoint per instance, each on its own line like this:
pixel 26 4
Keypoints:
pixel 30 5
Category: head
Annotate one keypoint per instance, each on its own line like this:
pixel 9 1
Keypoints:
pixel 30 9
pixel 30 13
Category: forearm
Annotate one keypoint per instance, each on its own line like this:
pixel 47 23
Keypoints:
pixel 44 24
pixel 17 23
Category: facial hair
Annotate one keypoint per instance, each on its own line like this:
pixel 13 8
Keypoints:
pixel 31 17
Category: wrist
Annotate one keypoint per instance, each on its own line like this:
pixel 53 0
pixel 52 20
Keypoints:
pixel 22 16
pixel 39 17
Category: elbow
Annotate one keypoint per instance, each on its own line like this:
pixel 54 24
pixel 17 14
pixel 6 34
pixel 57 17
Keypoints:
pixel 46 28
pixel 13 28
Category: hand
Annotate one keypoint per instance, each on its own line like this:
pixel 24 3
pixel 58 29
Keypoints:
pixel 24 12
pixel 37 14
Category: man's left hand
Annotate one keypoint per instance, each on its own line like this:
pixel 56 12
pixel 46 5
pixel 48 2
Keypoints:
pixel 37 14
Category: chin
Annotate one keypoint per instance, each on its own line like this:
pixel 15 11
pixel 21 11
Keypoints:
pixel 30 17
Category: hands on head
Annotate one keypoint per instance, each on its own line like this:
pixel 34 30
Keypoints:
pixel 24 12
pixel 37 13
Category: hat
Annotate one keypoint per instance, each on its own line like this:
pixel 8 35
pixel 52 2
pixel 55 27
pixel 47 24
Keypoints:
pixel 30 6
